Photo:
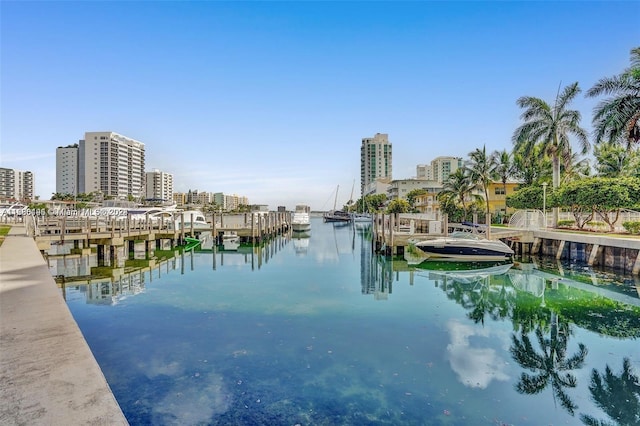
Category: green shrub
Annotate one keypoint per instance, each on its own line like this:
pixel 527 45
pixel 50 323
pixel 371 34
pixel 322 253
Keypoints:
pixel 596 224
pixel 632 227
pixel 566 223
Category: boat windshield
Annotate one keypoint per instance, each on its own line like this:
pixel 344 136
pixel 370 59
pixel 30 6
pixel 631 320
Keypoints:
pixel 465 235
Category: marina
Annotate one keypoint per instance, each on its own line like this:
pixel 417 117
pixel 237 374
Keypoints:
pixel 297 342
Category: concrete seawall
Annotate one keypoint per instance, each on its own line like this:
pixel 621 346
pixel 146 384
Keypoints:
pixel 48 374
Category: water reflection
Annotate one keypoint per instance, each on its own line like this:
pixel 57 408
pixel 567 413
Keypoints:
pixel 617 396
pixel 549 364
pixel 323 331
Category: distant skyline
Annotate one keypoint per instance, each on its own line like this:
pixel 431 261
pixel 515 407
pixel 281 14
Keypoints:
pixel 271 100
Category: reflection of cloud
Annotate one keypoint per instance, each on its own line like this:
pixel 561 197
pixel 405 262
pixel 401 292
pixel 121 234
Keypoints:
pixel 475 367
pixel 193 400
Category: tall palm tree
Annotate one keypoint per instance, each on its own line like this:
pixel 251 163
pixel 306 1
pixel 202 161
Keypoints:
pixel 550 126
pixel 481 169
pixel 504 169
pixel 460 188
pixel 617 118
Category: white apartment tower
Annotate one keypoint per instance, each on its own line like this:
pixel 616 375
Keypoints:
pixel 16 185
pixel 112 164
pixel 67 169
pixel 440 169
pixel 375 160
pixel 159 185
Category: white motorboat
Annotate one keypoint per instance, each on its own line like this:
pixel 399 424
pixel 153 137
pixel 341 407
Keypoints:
pixel 464 246
pixel 300 221
pixel 192 219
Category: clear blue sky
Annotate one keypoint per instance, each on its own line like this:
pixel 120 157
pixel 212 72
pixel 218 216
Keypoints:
pixel 272 99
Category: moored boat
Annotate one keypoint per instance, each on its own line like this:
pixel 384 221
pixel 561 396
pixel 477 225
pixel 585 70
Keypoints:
pixel 464 246
pixel 192 219
pixel 300 221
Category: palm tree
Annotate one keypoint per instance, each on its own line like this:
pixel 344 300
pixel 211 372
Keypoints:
pixel 481 169
pixel 460 188
pixel 574 167
pixel 504 169
pixel 531 167
pixel 612 160
pixel 550 127
pixel 617 118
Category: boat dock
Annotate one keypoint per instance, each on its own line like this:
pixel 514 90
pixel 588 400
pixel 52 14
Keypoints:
pixel 393 233
pixel 113 237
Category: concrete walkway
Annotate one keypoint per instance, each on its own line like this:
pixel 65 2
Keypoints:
pixel 48 375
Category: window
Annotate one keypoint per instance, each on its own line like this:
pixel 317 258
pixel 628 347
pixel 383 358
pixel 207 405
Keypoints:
pixel 499 190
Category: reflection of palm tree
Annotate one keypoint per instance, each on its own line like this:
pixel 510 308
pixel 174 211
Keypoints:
pixel 550 364
pixel 618 396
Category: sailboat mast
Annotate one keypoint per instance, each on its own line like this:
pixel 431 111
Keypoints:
pixel 336 200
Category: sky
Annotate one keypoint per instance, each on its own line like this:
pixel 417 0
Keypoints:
pixel 271 100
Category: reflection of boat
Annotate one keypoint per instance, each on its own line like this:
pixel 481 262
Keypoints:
pixel 474 272
pixel 300 221
pixel 301 243
pixel 192 218
pixel 465 246
pixel 230 240
pixel 191 243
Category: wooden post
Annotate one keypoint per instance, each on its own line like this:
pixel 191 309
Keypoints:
pixel 181 227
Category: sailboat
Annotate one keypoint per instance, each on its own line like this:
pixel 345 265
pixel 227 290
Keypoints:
pixel 337 215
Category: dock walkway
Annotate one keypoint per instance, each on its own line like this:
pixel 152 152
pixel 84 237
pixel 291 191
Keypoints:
pixel 49 375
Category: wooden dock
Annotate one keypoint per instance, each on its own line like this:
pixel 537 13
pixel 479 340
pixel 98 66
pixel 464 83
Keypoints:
pixel 113 237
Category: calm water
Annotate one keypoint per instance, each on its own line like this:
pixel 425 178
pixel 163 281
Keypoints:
pixel 318 331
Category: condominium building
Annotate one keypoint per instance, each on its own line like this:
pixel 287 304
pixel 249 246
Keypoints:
pixel 375 160
pixel 440 169
pixel 16 185
pixel 67 169
pixel 112 164
pixel 400 188
pixel 229 202
pixel 159 185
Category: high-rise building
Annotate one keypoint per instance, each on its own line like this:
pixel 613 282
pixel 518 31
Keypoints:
pixel 16 185
pixel 375 160
pixel 159 185
pixel 113 165
pixel 67 169
pixel 440 169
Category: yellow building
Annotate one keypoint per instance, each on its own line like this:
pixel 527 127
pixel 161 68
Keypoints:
pixel 497 197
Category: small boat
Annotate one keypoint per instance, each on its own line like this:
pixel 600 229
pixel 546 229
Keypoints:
pixel 464 246
pixel 300 221
pixel 192 219
pixel 230 240
pixel 337 215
